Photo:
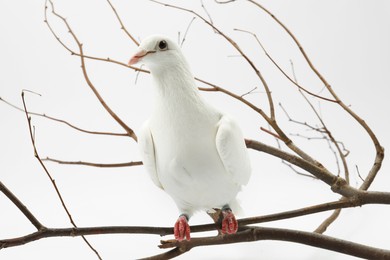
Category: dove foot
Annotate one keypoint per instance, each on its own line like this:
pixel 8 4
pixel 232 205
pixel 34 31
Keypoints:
pixel 229 222
pixel 182 229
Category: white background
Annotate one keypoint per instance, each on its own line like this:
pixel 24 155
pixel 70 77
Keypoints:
pixel 348 42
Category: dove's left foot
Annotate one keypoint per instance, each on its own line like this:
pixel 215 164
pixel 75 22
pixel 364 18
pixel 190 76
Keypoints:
pixel 229 222
pixel 182 229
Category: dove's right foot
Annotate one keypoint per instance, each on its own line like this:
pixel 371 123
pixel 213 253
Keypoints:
pixel 182 229
pixel 229 222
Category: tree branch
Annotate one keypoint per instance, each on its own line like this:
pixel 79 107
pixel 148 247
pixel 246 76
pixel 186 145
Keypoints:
pixel 327 222
pixel 121 23
pixel 63 121
pixel 26 212
pixel 365 198
pixel 101 165
pixel 379 149
pixel 337 184
pixel 302 237
pixel 52 180
pixel 281 70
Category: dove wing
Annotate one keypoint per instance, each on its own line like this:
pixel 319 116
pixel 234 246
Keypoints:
pixel 232 150
pixel 146 147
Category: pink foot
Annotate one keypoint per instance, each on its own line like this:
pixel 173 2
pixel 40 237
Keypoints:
pixel 229 222
pixel 182 229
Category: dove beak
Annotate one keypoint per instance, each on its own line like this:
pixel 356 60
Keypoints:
pixel 138 56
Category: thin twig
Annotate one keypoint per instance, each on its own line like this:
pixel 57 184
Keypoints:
pixel 63 121
pixel 51 179
pixel 291 166
pixel 186 32
pixel 327 222
pixel 281 70
pixel 293 71
pixel 358 172
pixel 100 165
pixel 290 119
pixel 252 91
pixel 121 23
pixel 330 139
pixel 224 2
pixel 269 132
pixel 215 88
pixel 207 13
pixel 298 172
pixel 331 219
pixel 137 75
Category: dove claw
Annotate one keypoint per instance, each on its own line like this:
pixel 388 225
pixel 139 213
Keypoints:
pixel 229 222
pixel 182 229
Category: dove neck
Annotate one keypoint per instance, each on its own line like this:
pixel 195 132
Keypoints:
pixel 175 85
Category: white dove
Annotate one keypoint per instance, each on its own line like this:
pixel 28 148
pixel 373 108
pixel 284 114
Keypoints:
pixel 191 150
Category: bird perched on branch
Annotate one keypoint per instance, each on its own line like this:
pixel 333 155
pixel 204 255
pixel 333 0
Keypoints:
pixel 191 150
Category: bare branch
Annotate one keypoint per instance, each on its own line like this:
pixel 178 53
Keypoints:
pixel 291 166
pixel 235 96
pixel 121 23
pixel 250 234
pixel 327 222
pixel 224 2
pixel 319 172
pixel 328 136
pixel 331 138
pixel 358 172
pixel 51 179
pixel 101 165
pixel 306 238
pixel 281 70
pixel 207 12
pixel 252 91
pixel 186 32
pixel 79 231
pixel 364 198
pixel 26 212
pixel 379 149
pixel 298 172
pixel 63 121
pixel 270 133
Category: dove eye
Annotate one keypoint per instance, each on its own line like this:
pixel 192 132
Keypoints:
pixel 163 45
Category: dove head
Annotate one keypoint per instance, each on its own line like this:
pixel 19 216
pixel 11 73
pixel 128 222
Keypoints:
pixel 158 52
